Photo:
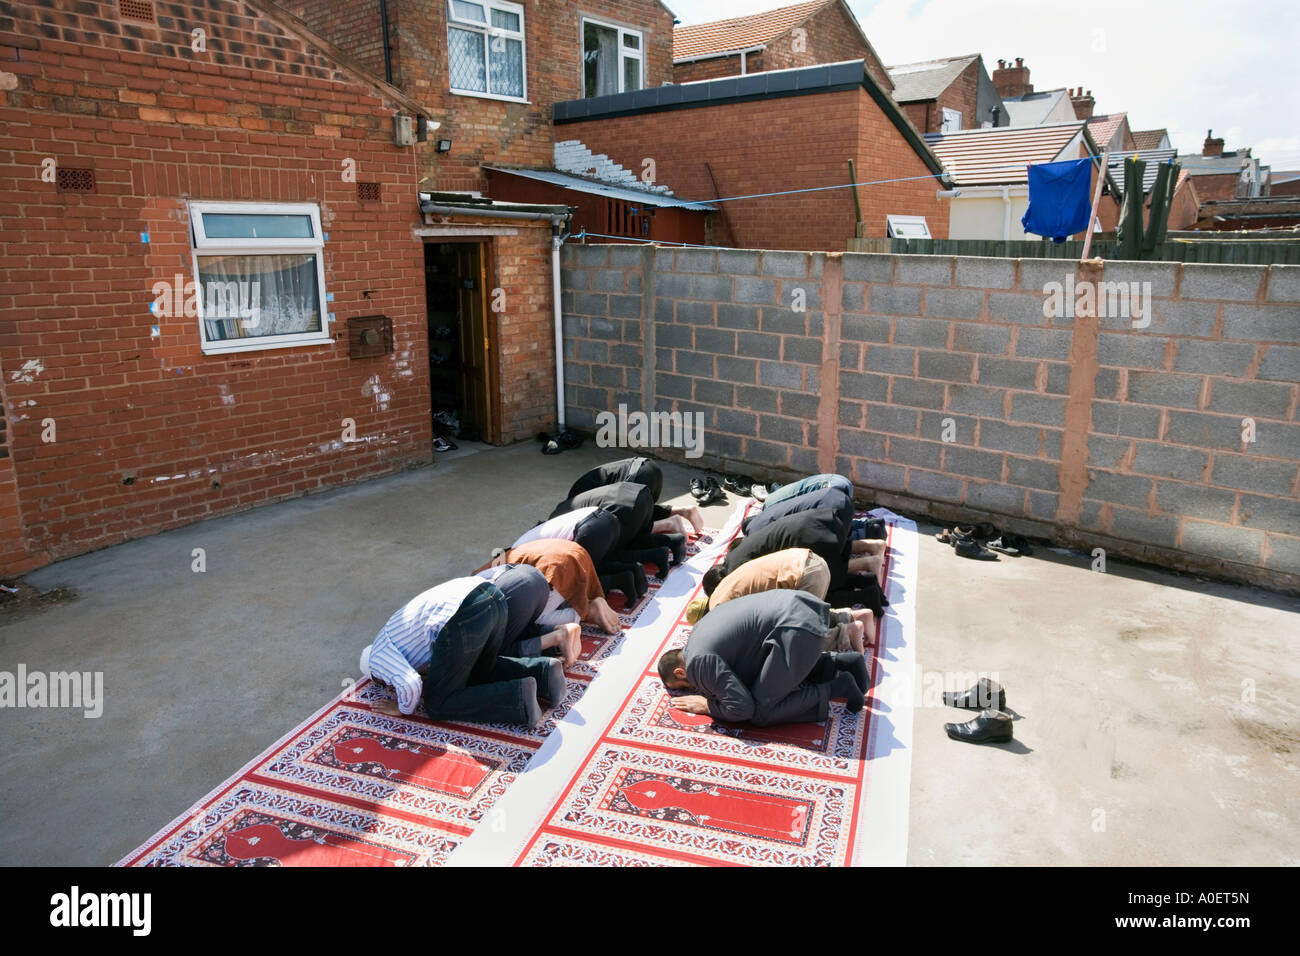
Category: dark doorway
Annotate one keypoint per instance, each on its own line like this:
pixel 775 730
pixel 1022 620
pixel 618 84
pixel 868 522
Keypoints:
pixel 460 346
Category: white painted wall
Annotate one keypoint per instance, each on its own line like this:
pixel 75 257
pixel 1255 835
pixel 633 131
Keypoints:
pixel 983 217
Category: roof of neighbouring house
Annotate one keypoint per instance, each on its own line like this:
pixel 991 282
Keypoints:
pixel 1152 157
pixel 1103 127
pixel 926 81
pixel 999 155
pixel 737 33
pixel 1032 108
pixel 1149 138
pixel 1229 164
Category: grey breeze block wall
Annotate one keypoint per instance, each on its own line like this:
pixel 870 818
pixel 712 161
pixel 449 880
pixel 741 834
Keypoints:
pixel 939 386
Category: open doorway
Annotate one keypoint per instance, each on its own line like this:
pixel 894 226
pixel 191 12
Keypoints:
pixel 462 389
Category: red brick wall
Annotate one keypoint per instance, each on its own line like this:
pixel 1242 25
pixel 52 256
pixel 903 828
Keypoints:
pixel 258 116
pixel 962 94
pixel 765 146
pixel 486 130
pixel 1215 186
pixel 525 333
pixel 829 38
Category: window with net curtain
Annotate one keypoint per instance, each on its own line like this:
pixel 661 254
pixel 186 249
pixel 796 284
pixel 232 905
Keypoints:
pixel 612 59
pixel 485 48
pixel 260 275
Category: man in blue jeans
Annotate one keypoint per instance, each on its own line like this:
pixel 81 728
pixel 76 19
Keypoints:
pixel 805 485
pixel 442 650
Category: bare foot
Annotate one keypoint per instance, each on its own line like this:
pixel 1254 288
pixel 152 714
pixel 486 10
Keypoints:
pixel 854 630
pixel 602 615
pixel 673 524
pixel 571 643
pixel 692 514
pixel 386 706
pixel 867 619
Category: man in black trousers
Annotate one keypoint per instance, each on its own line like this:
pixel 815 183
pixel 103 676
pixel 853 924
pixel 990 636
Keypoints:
pixel 763 658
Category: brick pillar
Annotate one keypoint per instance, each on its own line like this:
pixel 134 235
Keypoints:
pixel 828 407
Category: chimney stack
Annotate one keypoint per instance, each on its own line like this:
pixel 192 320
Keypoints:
pixel 1082 103
pixel 1012 81
pixel 1212 147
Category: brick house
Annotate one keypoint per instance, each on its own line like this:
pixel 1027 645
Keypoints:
pixel 1226 174
pixel 947 95
pixel 225 282
pixel 784 131
pixel 805 34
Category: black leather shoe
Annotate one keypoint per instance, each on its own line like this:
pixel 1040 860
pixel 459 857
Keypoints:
pixel 970 548
pixel 985 694
pixel 990 727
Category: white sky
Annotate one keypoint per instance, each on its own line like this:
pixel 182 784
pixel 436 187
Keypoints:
pixel 1188 65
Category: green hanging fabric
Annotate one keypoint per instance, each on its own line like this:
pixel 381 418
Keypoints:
pixel 1129 230
pixel 1162 197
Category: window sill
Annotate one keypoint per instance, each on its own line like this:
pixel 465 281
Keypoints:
pixel 233 346
pixel 492 96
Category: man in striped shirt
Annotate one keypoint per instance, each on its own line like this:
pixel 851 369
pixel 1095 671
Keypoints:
pixel 443 648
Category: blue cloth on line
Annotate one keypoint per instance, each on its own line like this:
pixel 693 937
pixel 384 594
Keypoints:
pixel 1059 204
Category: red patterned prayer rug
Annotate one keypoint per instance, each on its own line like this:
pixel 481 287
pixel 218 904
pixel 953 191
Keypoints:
pixel 355 787
pixel 656 786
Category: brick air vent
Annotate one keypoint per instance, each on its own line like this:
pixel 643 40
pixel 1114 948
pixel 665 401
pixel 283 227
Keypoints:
pixel 368 192
pixel 76 180
pixel 136 10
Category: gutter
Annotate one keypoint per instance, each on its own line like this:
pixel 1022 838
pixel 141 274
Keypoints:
pixel 740 52
pixel 554 218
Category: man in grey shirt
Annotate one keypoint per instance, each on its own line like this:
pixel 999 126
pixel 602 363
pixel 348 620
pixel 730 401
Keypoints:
pixel 762 658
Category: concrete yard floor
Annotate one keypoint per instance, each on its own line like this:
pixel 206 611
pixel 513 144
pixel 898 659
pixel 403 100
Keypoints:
pixel 1159 715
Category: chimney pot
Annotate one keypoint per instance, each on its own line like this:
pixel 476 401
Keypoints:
pixel 1020 61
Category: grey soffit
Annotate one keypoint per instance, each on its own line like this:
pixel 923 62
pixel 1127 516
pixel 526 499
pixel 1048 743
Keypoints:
pixel 824 78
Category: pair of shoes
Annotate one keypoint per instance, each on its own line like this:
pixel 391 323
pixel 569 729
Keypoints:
pixel 965 544
pixel 444 444
pixel 707 491
pixel 970 548
pixel 993 725
pixel 1011 544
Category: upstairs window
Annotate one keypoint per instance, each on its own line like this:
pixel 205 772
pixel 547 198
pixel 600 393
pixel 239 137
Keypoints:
pixel 613 59
pixel 260 275
pixel 485 45
pixel 951 120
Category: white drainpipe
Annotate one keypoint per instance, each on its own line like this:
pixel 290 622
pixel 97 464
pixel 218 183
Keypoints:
pixel 1006 214
pixel 557 240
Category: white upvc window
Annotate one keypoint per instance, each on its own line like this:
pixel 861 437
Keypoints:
pixel 951 120
pixel 907 227
pixel 485 49
pixel 613 59
pixel 259 271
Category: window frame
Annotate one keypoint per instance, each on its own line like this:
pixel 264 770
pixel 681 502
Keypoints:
pixel 202 245
pixel 946 112
pixel 896 224
pixel 487 31
pixel 621 31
